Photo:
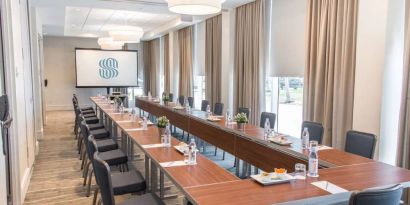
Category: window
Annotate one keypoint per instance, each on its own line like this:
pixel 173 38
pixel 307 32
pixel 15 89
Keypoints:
pixel 132 93
pixel 284 96
pixel 199 90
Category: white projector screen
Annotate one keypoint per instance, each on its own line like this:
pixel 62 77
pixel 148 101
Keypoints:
pixel 102 68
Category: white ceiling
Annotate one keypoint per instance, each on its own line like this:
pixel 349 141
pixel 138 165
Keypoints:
pixel 92 18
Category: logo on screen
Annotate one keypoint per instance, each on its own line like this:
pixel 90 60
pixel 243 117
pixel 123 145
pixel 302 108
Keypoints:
pixel 108 68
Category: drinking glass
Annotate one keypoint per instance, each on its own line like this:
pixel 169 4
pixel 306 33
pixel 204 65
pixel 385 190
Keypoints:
pixel 186 155
pixel 300 171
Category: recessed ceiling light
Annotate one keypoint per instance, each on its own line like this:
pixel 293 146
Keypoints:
pixel 195 7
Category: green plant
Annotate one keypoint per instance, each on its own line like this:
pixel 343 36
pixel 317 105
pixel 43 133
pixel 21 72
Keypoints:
pixel 118 100
pixel 165 98
pixel 241 118
pixel 162 122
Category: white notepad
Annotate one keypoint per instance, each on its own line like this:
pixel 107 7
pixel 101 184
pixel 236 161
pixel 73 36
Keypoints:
pixel 173 164
pixel 329 187
pixel 134 129
pixel 323 147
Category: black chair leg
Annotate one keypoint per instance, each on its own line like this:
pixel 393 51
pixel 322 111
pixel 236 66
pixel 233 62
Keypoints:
pixel 223 155
pixel 216 149
pixel 96 195
pixel 89 183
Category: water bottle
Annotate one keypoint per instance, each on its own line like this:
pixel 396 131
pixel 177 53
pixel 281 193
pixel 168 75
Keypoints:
pixel 145 123
pixel 121 108
pixel 305 138
pixel 228 118
pixel 187 107
pixel 133 115
pixel 167 137
pixel 192 152
pixel 149 95
pixel 266 129
pixel 208 110
pixel 313 162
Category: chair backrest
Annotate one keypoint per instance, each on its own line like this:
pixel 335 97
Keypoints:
pixel 360 143
pixel 218 108
pixel 315 130
pixel 103 178
pixel 191 101
pixel 204 104
pixel 244 110
pixel 390 196
pixel 181 100
pixel 270 116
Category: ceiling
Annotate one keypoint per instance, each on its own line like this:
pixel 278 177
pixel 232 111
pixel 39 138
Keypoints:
pixel 93 18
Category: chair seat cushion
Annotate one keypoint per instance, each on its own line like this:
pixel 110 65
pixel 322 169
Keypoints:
pixel 113 157
pixel 95 126
pixel 86 108
pixel 100 133
pixel 105 145
pixel 127 182
pixel 146 199
pixel 89 115
pixel 92 120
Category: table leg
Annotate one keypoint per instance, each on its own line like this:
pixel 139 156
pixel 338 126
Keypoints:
pixel 154 178
pixel 147 171
pixel 161 184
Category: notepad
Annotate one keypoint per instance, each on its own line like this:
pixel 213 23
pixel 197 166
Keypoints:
pixel 124 121
pixel 329 187
pixel 173 164
pixel 323 147
pixel 147 146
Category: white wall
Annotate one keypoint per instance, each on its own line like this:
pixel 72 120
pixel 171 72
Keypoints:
pixel 59 65
pixel 371 37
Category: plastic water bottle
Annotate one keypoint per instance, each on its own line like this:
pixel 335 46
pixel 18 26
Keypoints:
pixel 133 115
pixel 266 129
pixel 305 138
pixel 208 110
pixel 145 123
pixel 121 108
pixel 228 118
pixel 192 152
pixel 187 107
pixel 167 137
pixel 313 162
pixel 149 95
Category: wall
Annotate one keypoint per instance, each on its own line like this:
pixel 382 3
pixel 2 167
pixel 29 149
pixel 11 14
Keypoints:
pixel 371 41
pixel 59 66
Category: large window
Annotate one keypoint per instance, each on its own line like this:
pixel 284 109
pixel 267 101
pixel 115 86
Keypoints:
pixel 199 90
pixel 284 96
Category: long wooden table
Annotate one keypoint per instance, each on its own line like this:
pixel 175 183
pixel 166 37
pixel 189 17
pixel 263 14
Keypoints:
pixel 207 183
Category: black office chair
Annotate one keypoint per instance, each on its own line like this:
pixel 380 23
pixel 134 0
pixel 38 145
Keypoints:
pixel 191 102
pixel 122 182
pixel 315 130
pixel 204 104
pixel 105 183
pixel 270 116
pixel 181 100
pixel 218 108
pixel 244 110
pixel 386 196
pixel 360 143
pixel 114 157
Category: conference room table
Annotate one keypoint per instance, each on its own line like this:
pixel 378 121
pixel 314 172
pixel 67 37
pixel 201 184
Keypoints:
pixel 208 183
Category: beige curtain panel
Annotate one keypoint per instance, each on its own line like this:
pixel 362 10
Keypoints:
pixel 247 62
pixel 185 61
pixel 151 66
pixel 167 74
pixel 330 67
pixel 213 60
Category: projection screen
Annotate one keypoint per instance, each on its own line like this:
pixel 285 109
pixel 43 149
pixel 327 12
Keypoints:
pixel 103 68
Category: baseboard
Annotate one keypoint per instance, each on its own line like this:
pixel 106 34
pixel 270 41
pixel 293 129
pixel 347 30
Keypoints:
pixel 25 182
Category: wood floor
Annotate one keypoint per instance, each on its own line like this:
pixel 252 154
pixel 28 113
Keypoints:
pixel 56 175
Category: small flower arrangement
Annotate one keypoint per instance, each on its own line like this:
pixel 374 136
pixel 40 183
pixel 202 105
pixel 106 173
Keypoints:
pixel 165 98
pixel 117 100
pixel 241 118
pixel 162 122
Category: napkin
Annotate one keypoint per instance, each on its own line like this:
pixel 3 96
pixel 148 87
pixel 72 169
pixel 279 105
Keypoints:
pixel 135 129
pixel 323 147
pixel 173 164
pixel 329 187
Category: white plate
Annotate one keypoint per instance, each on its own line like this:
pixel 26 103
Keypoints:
pixel 259 179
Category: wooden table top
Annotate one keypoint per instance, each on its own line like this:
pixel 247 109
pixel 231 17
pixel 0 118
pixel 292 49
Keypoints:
pixel 207 183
